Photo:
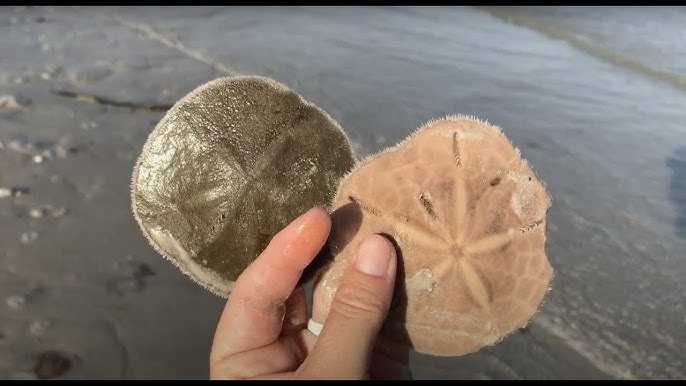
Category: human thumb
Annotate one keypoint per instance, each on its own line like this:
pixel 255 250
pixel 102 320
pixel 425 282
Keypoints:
pixel 359 308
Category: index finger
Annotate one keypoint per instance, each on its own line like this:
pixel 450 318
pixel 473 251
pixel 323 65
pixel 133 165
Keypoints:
pixel 254 312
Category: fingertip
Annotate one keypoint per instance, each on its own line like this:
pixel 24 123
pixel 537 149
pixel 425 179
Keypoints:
pixel 375 256
pixel 309 230
pixel 316 219
pixel 320 216
pixel 321 211
pixel 314 228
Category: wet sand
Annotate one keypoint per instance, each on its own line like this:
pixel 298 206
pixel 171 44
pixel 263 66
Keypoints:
pixel 77 277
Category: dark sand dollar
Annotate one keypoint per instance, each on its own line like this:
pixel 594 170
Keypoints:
pixel 227 168
pixel 467 214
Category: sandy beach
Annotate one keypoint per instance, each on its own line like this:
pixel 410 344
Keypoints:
pixel 594 103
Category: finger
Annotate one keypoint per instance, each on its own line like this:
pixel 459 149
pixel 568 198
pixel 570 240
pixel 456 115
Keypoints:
pixel 279 376
pixel 295 318
pixel 284 355
pixel 344 347
pixel 254 312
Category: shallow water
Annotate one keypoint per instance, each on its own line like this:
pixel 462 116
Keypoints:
pixel 594 97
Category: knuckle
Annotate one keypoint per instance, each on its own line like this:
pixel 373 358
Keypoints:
pixel 231 367
pixel 232 375
pixel 357 299
pixel 227 370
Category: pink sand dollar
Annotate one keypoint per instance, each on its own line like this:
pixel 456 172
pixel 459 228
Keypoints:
pixel 468 216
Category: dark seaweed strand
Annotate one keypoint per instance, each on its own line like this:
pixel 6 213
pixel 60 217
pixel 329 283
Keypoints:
pixel 89 98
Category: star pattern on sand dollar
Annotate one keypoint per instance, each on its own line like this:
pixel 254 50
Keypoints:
pixel 434 231
pixel 468 214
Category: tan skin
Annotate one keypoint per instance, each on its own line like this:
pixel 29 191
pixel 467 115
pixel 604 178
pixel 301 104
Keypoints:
pixel 262 332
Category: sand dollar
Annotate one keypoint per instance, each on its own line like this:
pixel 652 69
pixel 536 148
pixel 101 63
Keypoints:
pixel 468 216
pixel 229 166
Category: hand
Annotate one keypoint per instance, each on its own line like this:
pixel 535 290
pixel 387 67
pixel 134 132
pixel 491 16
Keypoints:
pixel 262 334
